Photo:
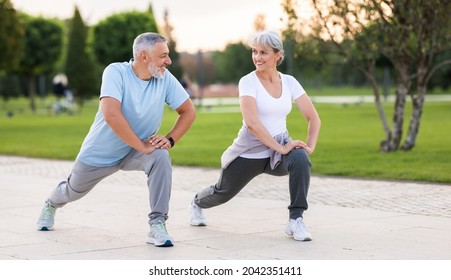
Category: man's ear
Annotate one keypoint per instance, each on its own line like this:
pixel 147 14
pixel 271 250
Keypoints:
pixel 143 56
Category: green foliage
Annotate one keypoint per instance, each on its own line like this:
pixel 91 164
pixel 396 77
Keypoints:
pixel 348 144
pixel 43 43
pixel 405 34
pixel 9 86
pixel 11 33
pixel 113 36
pixel 442 78
pixel 175 68
pixel 83 74
pixel 233 63
pixel 316 63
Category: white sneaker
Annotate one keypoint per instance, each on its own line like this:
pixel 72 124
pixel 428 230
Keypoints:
pixel 159 236
pixel 47 218
pixel 196 216
pixel 298 230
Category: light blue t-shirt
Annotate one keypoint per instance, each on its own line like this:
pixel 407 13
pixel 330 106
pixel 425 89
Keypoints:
pixel 142 105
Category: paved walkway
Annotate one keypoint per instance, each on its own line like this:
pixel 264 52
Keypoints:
pixel 350 219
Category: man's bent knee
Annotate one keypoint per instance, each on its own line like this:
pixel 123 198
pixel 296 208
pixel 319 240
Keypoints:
pixel 159 157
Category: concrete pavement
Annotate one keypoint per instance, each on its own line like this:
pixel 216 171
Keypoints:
pixel 350 219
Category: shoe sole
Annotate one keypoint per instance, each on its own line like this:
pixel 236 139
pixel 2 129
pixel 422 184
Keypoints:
pixel 197 224
pixel 45 228
pixel 305 239
pixel 167 243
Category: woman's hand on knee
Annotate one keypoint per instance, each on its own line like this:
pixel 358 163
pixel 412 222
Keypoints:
pixel 299 144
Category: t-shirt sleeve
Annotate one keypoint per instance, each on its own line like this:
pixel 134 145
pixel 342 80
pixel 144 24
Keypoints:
pixel 296 89
pixel 246 87
pixel 112 83
pixel 176 95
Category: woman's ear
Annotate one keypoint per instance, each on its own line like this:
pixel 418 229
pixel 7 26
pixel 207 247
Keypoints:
pixel 279 57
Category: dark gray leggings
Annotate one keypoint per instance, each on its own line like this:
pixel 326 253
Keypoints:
pixel 242 170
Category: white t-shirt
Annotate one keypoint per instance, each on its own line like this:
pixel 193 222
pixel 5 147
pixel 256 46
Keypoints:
pixel 271 111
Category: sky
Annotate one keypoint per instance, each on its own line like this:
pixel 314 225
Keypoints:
pixel 199 25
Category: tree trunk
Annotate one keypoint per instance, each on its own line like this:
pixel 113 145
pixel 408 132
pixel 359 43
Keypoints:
pixel 371 76
pixel 32 92
pixel 414 125
pixel 386 83
pixel 393 140
pixel 417 103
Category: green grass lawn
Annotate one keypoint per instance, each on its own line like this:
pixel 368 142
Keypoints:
pixel 348 145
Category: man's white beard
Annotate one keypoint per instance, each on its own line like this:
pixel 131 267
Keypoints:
pixel 156 72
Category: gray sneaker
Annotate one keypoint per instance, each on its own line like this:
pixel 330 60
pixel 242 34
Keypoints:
pixel 196 217
pixel 298 230
pixel 47 218
pixel 159 236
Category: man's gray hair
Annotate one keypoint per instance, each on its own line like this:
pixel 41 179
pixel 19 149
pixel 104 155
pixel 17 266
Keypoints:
pixel 146 41
pixel 268 40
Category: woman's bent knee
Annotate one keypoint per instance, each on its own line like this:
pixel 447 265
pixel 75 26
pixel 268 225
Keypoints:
pixel 299 158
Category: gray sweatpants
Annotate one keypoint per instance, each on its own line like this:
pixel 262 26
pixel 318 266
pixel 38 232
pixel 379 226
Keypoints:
pixel 242 170
pixel 156 165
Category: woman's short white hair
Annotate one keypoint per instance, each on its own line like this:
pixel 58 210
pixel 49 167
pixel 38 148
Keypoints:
pixel 145 42
pixel 268 40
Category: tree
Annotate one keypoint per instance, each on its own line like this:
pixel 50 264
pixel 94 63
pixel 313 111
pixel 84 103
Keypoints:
pixel 11 33
pixel 430 33
pixel 342 24
pixel 442 78
pixel 311 59
pixel 175 68
pixel 199 67
pixel 413 35
pixel 9 86
pixel 80 69
pixel 260 22
pixel 113 36
pixel 43 43
pixel 408 33
pixel 233 63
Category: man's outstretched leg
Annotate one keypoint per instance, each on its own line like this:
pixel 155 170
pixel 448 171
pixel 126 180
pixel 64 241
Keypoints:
pixel 82 180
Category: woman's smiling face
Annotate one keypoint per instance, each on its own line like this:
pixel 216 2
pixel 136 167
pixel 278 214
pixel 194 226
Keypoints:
pixel 264 58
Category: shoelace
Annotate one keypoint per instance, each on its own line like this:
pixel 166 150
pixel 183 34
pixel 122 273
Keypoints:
pixel 300 224
pixel 48 212
pixel 160 227
pixel 197 212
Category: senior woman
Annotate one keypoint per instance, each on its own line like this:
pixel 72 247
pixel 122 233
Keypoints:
pixel 263 144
